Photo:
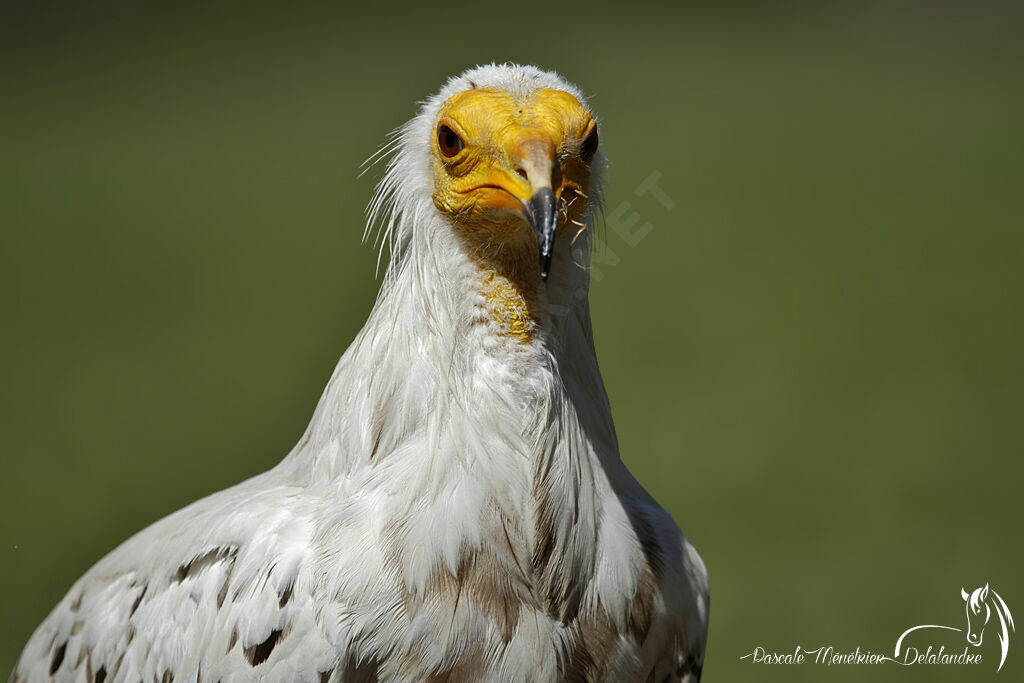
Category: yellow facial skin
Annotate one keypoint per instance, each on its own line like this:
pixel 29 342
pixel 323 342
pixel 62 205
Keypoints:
pixel 510 149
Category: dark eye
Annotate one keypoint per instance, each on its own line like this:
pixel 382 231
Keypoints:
pixel 450 143
pixel 589 147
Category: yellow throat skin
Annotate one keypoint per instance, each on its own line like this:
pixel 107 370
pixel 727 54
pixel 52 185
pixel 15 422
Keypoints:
pixel 508 149
pixel 510 310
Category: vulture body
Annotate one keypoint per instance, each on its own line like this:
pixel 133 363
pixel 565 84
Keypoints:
pixel 457 509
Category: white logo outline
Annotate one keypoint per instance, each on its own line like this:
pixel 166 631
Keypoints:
pixel 979 604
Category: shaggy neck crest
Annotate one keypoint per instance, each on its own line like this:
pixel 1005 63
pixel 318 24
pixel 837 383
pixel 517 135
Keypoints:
pixel 485 368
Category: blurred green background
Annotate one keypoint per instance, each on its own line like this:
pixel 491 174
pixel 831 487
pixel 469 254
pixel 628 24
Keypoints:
pixel 814 357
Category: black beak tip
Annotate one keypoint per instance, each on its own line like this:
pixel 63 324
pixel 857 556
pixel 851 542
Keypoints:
pixel 543 213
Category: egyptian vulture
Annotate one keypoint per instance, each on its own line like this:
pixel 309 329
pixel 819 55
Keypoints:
pixel 457 509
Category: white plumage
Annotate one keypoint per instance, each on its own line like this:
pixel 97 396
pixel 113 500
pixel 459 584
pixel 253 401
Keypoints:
pixel 456 509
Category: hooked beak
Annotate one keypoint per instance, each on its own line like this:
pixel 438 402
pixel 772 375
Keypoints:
pixel 542 214
pixel 535 162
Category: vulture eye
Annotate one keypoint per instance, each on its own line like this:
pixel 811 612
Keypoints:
pixel 450 143
pixel 589 147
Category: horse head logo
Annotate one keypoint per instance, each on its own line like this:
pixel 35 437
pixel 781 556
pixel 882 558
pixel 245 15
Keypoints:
pixel 980 604
pixel 978 613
